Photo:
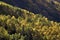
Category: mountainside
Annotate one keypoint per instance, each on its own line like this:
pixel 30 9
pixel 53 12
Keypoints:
pixel 48 8
pixel 20 24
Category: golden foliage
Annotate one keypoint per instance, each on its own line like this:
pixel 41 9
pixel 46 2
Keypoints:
pixel 30 25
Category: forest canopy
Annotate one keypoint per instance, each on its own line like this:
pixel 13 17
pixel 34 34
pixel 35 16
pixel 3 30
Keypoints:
pixel 20 24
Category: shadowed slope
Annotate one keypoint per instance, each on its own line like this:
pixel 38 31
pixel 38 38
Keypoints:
pixel 7 9
pixel 20 24
pixel 48 8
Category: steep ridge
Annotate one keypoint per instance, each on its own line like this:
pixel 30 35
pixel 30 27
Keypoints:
pixel 48 8
pixel 20 24
pixel 6 9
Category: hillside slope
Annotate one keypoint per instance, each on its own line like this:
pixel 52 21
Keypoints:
pixel 20 24
pixel 48 8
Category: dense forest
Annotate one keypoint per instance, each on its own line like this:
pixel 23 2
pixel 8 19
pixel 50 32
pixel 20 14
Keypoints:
pixel 48 8
pixel 19 24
